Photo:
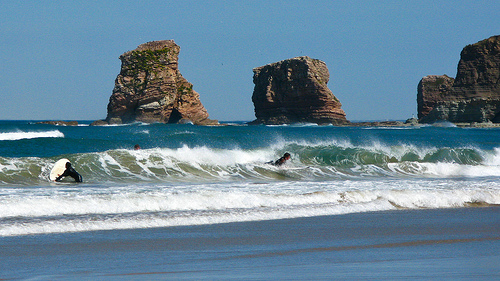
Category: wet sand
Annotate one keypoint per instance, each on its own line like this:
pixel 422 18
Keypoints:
pixel 443 244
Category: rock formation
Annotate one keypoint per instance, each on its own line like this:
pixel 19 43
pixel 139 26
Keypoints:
pixel 473 96
pixel 59 123
pixel 431 90
pixel 295 90
pixel 150 88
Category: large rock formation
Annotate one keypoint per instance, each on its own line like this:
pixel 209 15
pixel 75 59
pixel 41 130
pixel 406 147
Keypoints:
pixel 150 88
pixel 295 90
pixel 473 96
pixel 431 90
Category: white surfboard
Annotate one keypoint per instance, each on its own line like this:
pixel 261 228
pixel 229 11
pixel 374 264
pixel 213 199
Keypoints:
pixel 58 169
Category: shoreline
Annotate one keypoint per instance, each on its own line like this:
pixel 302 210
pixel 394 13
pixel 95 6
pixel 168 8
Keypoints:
pixel 423 244
pixel 347 124
pixel 436 124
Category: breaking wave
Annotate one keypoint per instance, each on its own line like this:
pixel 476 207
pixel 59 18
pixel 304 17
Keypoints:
pixel 309 162
pixel 30 135
pixel 85 208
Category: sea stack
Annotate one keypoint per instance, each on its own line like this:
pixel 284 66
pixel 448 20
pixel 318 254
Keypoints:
pixel 150 88
pixel 295 90
pixel 473 96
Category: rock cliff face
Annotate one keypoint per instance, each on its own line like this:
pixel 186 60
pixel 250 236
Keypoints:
pixel 150 88
pixel 295 90
pixel 473 96
pixel 431 90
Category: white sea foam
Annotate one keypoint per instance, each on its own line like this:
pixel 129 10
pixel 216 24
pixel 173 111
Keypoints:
pixel 456 170
pixel 203 159
pixel 30 135
pixel 494 158
pixel 145 132
pixel 47 210
pixel 151 221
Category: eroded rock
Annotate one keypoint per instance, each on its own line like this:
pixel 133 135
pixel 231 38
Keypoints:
pixel 150 88
pixel 295 90
pixel 473 96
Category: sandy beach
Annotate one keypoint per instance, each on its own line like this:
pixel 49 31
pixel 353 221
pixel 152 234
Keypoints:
pixel 439 244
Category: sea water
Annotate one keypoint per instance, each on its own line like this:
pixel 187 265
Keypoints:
pixel 197 175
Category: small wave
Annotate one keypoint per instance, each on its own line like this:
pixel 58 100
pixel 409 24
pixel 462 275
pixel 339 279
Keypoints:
pixel 53 210
pixel 30 135
pixel 304 124
pixel 443 124
pixel 133 124
pixel 142 132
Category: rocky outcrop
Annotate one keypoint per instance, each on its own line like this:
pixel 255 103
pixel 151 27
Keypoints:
pixel 295 90
pixel 473 96
pixel 431 90
pixel 150 88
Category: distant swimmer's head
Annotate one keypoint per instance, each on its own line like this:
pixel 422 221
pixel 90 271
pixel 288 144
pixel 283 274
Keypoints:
pixel 68 165
pixel 137 147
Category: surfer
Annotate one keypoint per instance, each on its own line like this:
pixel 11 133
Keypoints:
pixel 137 147
pixel 70 172
pixel 282 160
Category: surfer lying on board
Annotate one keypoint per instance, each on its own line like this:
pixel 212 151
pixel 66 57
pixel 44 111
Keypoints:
pixel 70 172
pixel 281 161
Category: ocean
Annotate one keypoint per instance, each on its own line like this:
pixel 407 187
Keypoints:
pixel 206 198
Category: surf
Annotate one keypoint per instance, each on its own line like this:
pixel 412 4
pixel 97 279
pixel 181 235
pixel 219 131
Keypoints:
pixel 189 175
pixel 310 161
pixel 61 209
pixel 12 136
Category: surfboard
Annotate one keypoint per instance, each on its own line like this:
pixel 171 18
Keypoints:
pixel 58 169
pixel 294 168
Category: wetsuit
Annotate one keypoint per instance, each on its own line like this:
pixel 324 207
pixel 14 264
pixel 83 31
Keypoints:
pixel 72 173
pixel 280 161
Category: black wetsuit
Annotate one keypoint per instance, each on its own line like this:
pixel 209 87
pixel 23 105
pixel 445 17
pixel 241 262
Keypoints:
pixel 72 173
pixel 280 161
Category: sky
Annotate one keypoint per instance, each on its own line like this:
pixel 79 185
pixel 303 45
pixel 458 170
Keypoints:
pixel 59 59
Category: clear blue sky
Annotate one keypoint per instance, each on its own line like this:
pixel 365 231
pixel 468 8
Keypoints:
pixel 59 59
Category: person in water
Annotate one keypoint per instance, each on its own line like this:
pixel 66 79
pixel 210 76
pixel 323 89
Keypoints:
pixel 282 160
pixel 70 172
pixel 137 147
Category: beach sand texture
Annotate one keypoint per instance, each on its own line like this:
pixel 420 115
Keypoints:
pixel 439 244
